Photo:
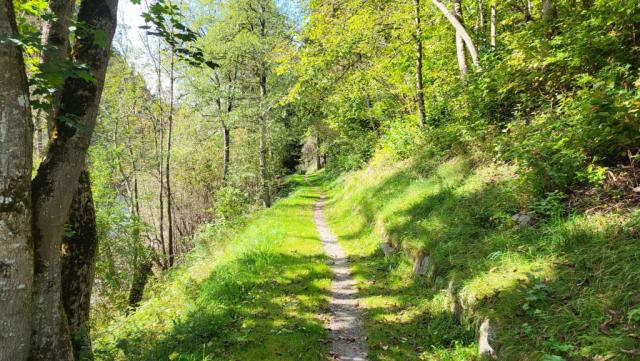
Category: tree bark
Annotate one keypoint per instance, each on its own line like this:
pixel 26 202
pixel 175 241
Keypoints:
pixel 419 55
pixel 463 32
pixel 57 179
pixel 462 58
pixel 79 250
pixel 548 10
pixel 494 25
pixel 16 157
pixel 55 34
pixel 140 278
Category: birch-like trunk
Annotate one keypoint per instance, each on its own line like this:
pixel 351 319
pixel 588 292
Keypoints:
pixel 16 252
pixel 494 25
pixel 57 179
pixel 462 58
pixel 168 163
pixel 463 32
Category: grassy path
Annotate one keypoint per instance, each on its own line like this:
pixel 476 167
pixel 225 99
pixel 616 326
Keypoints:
pixel 254 297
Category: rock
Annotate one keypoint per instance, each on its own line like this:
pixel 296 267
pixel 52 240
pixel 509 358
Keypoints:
pixel 453 300
pixel 386 248
pixel 487 335
pixel 523 219
pixel 421 265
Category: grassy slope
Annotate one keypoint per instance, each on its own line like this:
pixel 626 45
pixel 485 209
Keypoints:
pixel 255 296
pixel 560 289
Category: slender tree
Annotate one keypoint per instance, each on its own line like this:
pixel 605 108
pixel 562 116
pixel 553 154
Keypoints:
pixel 459 27
pixel 419 55
pixel 462 58
pixel 494 25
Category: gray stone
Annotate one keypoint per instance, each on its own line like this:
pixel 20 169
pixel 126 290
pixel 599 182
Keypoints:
pixel 487 335
pixel 386 248
pixel 523 219
pixel 421 265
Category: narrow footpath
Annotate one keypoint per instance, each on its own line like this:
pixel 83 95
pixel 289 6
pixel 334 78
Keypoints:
pixel 345 325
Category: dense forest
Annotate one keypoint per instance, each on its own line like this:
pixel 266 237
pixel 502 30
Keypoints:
pixel 164 180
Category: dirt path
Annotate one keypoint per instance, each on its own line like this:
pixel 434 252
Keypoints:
pixel 345 325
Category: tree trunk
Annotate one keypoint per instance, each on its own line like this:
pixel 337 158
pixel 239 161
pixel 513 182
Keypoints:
pixel 140 278
pixel 266 196
pixel 462 58
pixel 318 155
pixel 527 11
pixel 57 179
pixel 419 54
pixel 462 31
pixel 548 10
pixel 226 133
pixel 168 164
pixel 55 34
pixel 494 25
pixel 79 250
pixel 480 18
pixel 16 157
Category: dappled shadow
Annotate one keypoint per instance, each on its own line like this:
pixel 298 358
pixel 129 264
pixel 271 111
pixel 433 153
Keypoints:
pixel 258 307
pixel 560 280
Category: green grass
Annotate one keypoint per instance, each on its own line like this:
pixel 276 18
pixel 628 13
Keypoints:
pixel 255 296
pixel 566 287
pixel 562 288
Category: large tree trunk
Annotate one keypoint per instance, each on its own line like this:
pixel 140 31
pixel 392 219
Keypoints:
pixel 494 25
pixel 16 253
pixel 462 58
pixel 419 54
pixel 79 250
pixel 57 179
pixel 462 31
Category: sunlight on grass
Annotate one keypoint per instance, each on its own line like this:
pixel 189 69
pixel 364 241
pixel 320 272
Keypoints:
pixel 256 296
pixel 548 287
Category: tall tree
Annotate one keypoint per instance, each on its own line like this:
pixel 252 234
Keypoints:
pixel 55 183
pixel 16 253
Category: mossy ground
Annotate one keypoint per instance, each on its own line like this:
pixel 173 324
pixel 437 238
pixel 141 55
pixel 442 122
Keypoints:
pixel 562 288
pixel 256 296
